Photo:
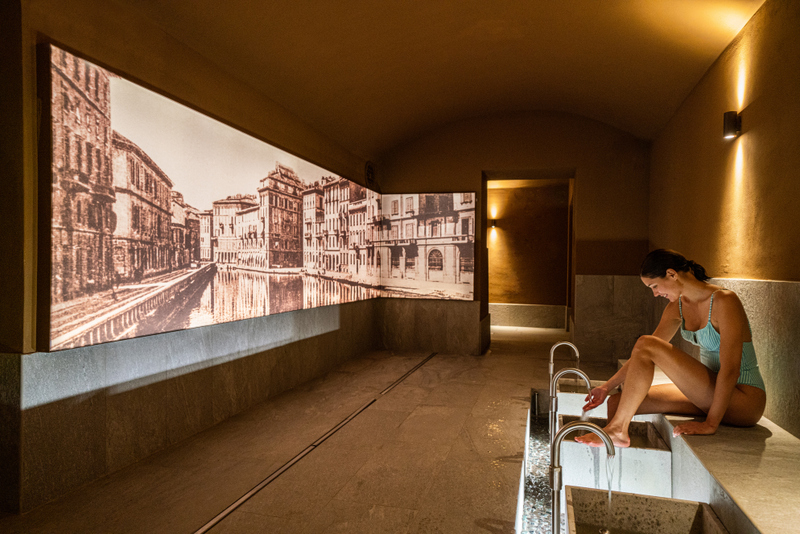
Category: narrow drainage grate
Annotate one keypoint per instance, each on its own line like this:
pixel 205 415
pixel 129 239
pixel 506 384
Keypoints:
pixel 285 467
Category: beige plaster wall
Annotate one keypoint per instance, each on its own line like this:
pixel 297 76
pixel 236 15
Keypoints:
pixel 732 205
pixel 610 166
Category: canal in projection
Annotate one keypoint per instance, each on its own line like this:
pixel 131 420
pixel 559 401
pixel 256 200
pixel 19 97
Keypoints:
pixel 164 219
pixel 233 295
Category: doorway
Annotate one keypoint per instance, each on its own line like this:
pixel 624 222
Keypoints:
pixel 530 246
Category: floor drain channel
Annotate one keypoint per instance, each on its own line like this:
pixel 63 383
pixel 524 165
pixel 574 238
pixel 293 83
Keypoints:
pixel 261 485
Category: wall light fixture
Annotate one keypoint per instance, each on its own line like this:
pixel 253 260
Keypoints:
pixel 731 125
pixel 493 223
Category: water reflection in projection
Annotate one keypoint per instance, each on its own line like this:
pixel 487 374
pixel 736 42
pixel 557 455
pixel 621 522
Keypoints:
pixel 235 294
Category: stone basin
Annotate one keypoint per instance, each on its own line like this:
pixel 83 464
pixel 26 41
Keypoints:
pixel 571 393
pixel 588 511
pixel 645 467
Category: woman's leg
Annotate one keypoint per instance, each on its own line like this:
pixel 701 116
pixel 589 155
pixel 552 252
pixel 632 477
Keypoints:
pixel 686 373
pixel 691 391
pixel 663 398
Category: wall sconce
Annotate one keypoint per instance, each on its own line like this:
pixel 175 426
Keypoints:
pixel 731 124
pixel 493 223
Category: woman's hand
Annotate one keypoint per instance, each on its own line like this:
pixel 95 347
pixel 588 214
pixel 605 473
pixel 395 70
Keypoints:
pixel 694 428
pixel 595 398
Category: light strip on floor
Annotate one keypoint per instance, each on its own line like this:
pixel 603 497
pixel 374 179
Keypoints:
pixel 227 511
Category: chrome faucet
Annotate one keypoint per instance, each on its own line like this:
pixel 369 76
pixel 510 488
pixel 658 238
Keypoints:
pixel 554 396
pixel 555 463
pixel 553 352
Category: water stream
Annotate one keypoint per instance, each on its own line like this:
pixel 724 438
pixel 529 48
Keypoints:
pixel 610 475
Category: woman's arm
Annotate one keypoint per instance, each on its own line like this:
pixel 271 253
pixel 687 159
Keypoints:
pixel 667 326
pixel 730 321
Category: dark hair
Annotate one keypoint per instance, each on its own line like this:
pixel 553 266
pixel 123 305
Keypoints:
pixel 656 263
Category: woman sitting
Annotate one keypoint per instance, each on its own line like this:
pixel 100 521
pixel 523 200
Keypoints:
pixel 725 385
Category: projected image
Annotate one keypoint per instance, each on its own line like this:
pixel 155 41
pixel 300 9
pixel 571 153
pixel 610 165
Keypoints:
pixel 165 219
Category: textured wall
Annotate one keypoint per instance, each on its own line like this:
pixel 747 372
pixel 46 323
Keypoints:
pixel 450 327
pixel 732 205
pixel 773 309
pixel 611 312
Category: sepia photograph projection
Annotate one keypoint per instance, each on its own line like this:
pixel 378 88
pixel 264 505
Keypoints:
pixel 165 219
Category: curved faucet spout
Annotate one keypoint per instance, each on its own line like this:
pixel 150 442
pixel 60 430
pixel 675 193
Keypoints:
pixel 553 352
pixel 568 371
pixel 555 463
pixel 554 397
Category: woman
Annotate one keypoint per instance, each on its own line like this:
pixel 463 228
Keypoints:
pixel 725 385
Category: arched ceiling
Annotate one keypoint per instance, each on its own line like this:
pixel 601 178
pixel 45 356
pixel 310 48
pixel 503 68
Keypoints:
pixel 372 75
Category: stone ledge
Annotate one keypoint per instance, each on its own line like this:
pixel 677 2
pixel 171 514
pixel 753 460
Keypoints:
pixel 749 476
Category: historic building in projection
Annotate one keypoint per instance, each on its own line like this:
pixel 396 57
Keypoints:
pixel 225 241
pixel 250 242
pixel 336 194
pixel 206 234
pixel 185 232
pixel 280 213
pixel 313 225
pixel 143 234
pixel 83 194
pixel 427 237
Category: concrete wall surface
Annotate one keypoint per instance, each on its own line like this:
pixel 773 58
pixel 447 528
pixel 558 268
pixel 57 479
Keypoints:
pixel 450 327
pixel 528 315
pixel 611 312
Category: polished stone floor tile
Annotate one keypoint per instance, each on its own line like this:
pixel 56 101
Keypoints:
pixel 437 425
pixel 309 484
pixel 398 475
pixel 344 517
pixel 467 497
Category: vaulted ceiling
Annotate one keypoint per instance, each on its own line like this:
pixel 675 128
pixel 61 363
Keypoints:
pixel 372 75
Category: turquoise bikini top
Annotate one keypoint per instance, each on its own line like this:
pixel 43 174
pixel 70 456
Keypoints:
pixel 708 339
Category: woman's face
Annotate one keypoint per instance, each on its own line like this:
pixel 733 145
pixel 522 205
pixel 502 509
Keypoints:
pixel 667 287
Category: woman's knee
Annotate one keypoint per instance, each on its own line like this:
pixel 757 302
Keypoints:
pixel 647 346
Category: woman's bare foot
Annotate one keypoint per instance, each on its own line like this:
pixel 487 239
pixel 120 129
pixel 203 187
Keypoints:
pixel 619 438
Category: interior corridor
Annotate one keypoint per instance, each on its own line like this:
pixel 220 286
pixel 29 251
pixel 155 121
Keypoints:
pixel 440 451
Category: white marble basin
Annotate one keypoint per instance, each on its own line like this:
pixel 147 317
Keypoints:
pixel 645 467
pixel 571 395
pixel 588 512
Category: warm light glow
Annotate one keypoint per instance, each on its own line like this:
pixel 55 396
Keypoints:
pixel 493 234
pixel 734 20
pixel 739 212
pixel 738 172
pixel 493 210
pixel 742 79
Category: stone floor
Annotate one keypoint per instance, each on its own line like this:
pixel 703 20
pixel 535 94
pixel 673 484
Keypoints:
pixel 439 452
